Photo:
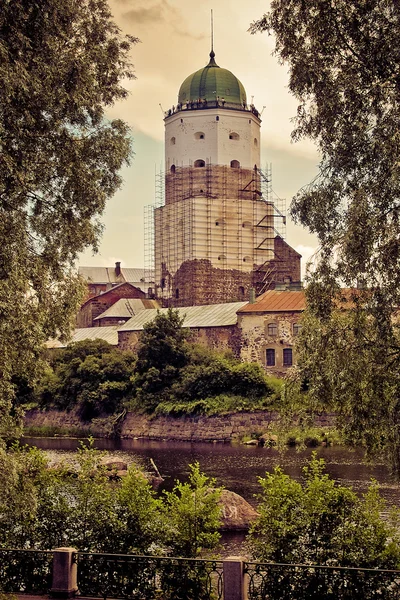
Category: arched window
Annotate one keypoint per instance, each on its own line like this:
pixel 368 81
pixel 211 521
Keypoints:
pixel 272 329
pixel 233 136
pixel 222 257
pixel 173 141
pixel 235 164
pixel 199 135
pixel 247 259
pixel 199 163
pixel 256 142
pixel 173 168
pixel 217 118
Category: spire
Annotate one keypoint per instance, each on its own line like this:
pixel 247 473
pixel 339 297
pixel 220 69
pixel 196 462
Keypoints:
pixel 212 62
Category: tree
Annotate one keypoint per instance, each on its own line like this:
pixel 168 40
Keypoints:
pixel 61 66
pixel 318 522
pixel 193 514
pixel 344 69
pixel 162 353
pixel 91 376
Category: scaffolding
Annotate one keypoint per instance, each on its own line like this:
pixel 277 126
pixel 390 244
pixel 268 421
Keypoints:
pixel 210 228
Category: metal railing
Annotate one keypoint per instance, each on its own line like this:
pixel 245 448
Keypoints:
pixel 304 582
pixel 25 571
pixel 149 577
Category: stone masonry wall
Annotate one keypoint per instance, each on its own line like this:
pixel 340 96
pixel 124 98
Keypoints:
pixel 200 428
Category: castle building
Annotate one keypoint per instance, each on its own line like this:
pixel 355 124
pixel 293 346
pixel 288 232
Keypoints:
pixel 214 238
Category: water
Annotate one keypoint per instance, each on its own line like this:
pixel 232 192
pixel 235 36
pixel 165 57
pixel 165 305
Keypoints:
pixel 236 467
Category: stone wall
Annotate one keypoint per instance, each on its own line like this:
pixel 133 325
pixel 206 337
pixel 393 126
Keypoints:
pixel 216 338
pixel 255 338
pixel 196 429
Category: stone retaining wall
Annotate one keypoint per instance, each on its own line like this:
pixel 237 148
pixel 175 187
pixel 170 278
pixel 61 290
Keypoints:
pixel 199 428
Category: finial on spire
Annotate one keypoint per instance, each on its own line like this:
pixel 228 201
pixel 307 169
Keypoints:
pixel 212 62
pixel 212 33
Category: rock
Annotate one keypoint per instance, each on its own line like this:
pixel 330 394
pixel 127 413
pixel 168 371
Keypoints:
pixel 251 443
pixel 237 513
pixel 115 465
pixel 268 439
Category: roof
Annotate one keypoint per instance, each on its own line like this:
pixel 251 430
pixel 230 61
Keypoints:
pixel 108 334
pixel 128 307
pixel 108 275
pixel 210 315
pixel 111 291
pixel 210 82
pixel 276 301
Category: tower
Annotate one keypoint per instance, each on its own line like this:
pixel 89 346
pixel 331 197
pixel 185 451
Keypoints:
pixel 214 238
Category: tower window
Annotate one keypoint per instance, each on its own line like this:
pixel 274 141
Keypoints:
pixel 256 142
pixel 199 135
pixel 177 293
pixel 173 141
pixel 217 118
pixel 233 136
pixel 182 121
pixel 222 257
pixel 235 164
pixel 173 168
pixel 163 283
pixel 199 163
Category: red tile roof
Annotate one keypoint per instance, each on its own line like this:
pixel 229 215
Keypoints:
pixel 276 301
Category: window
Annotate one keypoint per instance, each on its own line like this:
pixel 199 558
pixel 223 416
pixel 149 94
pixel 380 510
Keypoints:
pixel 233 136
pixel 272 329
pixel 241 291
pixel 163 283
pixel 199 135
pixel 287 357
pixel 270 357
pixel 235 164
pixel 256 142
pixel 173 168
pixel 173 141
pixel 199 163
pixel 177 293
pixel 217 118
pixel 296 328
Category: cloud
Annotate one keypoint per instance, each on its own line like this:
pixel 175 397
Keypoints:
pixel 161 12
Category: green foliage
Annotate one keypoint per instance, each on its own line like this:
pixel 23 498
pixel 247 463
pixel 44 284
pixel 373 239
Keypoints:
pixel 61 65
pixel 90 375
pixel 344 71
pixel 320 522
pixel 185 378
pixel 82 506
pixel 193 515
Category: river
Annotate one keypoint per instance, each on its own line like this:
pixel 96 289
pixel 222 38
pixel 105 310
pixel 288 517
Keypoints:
pixel 236 467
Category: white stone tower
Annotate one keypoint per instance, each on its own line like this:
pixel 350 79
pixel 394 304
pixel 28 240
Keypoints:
pixel 215 237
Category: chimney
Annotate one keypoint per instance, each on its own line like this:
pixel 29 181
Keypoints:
pixel 252 295
pixel 118 269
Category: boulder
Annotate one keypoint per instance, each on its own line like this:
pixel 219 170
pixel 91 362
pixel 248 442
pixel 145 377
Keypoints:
pixel 115 465
pixel 237 513
pixel 268 439
pixel 251 443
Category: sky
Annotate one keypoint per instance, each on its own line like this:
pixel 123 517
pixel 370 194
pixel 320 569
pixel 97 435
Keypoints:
pixel 175 41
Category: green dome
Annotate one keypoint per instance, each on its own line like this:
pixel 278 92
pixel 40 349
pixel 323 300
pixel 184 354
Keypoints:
pixel 210 82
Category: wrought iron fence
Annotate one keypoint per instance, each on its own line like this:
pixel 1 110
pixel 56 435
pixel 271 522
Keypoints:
pixel 303 582
pixel 25 571
pixel 149 577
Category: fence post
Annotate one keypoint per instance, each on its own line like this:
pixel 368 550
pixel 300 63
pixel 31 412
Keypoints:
pixel 64 583
pixel 235 580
